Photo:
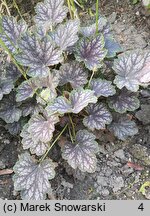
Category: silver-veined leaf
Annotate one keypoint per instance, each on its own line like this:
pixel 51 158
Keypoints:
pixel 81 154
pixel 102 87
pixel 78 99
pixel 9 110
pixel 50 12
pixel 6 85
pixel 98 116
pixel 66 34
pixel 124 101
pixel 91 29
pixel 14 128
pixel 91 51
pixel 73 73
pixel 36 147
pixel 41 127
pixel 122 127
pixel 11 31
pixel 38 55
pixel 132 69
pixel 111 45
pixel 32 178
pixel 12 72
pixel 30 106
pixel 26 90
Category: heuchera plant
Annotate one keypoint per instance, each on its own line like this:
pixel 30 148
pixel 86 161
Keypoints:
pixel 55 83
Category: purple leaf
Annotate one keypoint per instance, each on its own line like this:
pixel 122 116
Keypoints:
pixel 112 46
pixel 91 29
pixel 81 154
pixel 32 178
pixel 73 73
pixel 66 34
pixel 41 128
pixel 122 127
pixel 102 87
pixel 91 51
pixel 132 69
pixel 38 55
pixel 50 12
pixel 98 116
pixel 26 90
pixel 78 99
pixel 124 101
pixel 9 110
pixel 6 85
pixel 36 147
pixel 11 31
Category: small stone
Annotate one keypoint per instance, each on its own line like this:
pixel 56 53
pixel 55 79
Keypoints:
pixel 105 192
pixel 137 13
pixel 6 141
pixel 120 154
pixel 102 181
pixel 116 183
pixel 112 17
pixel 2 165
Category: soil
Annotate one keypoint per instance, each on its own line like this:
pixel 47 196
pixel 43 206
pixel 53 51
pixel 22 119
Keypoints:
pixel 123 167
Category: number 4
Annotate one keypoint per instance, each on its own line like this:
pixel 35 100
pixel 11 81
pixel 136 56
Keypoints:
pixel 141 207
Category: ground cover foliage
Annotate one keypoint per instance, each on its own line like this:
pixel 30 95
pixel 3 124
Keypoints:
pixel 63 78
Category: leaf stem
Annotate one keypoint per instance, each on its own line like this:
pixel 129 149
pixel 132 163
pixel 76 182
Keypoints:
pixel 97 9
pixel 19 68
pixel 16 6
pixel 73 128
pixel 93 72
pixel 44 156
pixel 6 6
pixel 69 6
pixel 70 135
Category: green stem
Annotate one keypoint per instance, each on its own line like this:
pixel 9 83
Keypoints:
pixel 93 72
pixel 97 9
pixel 16 6
pixel 18 67
pixel 69 6
pixel 70 135
pixel 44 156
pixel 6 6
pixel 73 128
